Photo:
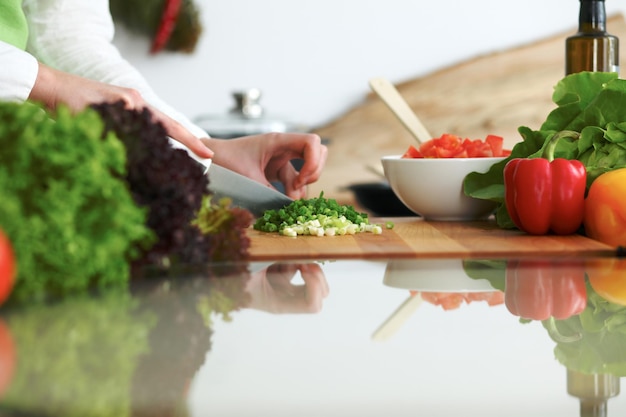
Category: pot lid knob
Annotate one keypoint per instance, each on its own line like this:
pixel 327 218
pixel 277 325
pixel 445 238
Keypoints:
pixel 247 103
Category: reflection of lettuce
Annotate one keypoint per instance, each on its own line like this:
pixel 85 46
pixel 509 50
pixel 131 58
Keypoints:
pixel 601 347
pixel 123 353
pixel 77 358
pixel 591 342
pixel 493 271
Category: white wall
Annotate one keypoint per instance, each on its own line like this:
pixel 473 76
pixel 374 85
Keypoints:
pixel 312 60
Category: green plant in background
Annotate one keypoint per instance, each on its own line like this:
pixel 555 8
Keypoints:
pixel 172 25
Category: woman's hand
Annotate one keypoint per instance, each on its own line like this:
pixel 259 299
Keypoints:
pixel 274 291
pixel 54 87
pixel 267 157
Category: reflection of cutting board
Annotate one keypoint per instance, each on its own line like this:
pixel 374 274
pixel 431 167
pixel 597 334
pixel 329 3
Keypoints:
pixel 495 93
pixel 413 237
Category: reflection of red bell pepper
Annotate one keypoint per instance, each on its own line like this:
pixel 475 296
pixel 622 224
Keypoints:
pixel 540 289
pixel 546 194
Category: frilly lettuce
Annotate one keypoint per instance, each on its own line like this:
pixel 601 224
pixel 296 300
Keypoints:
pixel 65 204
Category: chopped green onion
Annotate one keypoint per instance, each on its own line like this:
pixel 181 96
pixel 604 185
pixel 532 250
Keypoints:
pixel 316 217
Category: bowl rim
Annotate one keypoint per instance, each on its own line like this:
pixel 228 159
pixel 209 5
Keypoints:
pixel 481 158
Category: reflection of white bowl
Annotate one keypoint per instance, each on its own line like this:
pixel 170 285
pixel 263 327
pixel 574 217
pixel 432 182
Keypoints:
pixel 432 275
pixel 433 187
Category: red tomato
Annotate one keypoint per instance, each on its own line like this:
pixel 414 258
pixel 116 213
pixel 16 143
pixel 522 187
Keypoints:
pixel 492 298
pixel 452 146
pixel 449 301
pixel 412 152
pixel 7 267
pixel 8 357
pixel 496 143
pixel 454 300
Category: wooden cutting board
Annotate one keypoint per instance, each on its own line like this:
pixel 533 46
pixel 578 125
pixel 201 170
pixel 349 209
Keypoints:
pixel 415 238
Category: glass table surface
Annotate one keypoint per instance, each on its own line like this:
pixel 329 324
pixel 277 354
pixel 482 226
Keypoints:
pixel 398 337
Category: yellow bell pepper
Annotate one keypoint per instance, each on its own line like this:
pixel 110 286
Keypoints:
pixel 607 277
pixel 605 208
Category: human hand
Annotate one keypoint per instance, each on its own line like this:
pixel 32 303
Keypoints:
pixel 267 157
pixel 272 289
pixel 54 87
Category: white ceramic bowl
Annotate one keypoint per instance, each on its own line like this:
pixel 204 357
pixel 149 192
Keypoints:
pixel 433 275
pixel 433 187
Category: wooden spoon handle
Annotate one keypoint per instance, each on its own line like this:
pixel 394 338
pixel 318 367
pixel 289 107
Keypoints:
pixel 391 326
pixel 392 98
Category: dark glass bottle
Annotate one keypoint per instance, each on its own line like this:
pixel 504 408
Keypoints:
pixel 592 48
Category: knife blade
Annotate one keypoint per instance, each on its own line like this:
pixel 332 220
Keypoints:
pixel 243 191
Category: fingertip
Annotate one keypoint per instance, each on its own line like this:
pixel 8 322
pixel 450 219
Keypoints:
pixel 204 152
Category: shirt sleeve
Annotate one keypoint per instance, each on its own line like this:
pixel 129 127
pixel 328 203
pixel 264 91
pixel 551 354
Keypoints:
pixel 18 72
pixel 76 36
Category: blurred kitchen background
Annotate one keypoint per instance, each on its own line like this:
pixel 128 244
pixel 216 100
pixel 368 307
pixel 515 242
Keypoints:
pixel 312 60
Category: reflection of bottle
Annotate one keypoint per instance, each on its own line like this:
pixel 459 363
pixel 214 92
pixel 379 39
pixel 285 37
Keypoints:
pixel 592 48
pixel 593 390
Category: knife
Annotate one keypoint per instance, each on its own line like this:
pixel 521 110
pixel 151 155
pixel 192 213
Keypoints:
pixel 243 191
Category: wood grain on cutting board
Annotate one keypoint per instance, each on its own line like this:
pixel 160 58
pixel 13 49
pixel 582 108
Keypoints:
pixel 415 238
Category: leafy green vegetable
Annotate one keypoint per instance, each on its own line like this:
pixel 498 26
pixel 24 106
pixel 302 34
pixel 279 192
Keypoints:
pixel 601 337
pixel 493 270
pixel 590 103
pixel 69 215
pixel 315 216
pixel 163 179
pixel 224 228
pixel 77 357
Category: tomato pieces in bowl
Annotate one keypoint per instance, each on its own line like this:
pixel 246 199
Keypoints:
pixel 452 146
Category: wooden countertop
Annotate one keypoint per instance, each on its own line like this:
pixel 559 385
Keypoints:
pixel 412 237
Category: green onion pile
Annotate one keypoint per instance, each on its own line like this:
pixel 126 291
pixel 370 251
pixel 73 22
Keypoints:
pixel 316 217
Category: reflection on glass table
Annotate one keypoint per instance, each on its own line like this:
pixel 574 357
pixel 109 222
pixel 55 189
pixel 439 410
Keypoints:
pixel 300 339
pixel 580 302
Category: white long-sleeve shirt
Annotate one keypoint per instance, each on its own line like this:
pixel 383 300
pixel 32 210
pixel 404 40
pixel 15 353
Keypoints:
pixel 74 36
pixel 18 72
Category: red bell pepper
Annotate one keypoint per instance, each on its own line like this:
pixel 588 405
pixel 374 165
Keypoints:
pixel 543 289
pixel 546 194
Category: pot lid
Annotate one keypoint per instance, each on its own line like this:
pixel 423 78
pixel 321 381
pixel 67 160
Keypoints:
pixel 247 117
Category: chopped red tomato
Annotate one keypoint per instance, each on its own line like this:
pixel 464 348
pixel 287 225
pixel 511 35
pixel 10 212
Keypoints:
pixel 412 152
pixel 454 300
pixel 452 146
pixel 492 298
pixel 449 300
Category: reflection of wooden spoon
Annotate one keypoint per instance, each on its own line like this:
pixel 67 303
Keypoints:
pixel 392 98
pixel 397 319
